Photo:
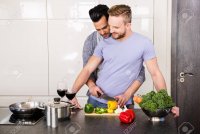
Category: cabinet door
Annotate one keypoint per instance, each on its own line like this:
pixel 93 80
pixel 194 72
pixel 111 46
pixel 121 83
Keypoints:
pixel 66 39
pixel 23 57
pixel 68 27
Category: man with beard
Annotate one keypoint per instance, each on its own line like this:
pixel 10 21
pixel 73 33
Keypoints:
pixel 121 57
pixel 99 16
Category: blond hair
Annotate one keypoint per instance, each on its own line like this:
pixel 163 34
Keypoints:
pixel 121 10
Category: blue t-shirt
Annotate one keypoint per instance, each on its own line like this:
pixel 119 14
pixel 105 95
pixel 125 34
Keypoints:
pixel 121 63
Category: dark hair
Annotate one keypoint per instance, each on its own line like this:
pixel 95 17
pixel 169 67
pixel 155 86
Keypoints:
pixel 98 11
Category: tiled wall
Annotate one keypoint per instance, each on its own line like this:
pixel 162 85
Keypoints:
pixel 41 43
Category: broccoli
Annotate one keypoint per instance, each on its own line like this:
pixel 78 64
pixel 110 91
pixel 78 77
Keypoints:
pixel 153 101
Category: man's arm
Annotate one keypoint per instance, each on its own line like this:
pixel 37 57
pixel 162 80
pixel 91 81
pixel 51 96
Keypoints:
pixel 83 76
pixel 158 80
pixel 156 74
pixel 88 50
pixel 122 99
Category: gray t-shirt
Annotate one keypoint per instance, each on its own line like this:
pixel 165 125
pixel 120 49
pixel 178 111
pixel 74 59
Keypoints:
pixel 88 49
pixel 122 62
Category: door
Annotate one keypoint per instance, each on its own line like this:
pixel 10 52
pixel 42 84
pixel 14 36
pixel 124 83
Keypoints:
pixel 186 63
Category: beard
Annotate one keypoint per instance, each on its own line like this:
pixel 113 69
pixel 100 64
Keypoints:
pixel 118 36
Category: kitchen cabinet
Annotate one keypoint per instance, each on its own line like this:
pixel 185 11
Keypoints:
pixel 23 48
pixel 65 51
pixel 24 57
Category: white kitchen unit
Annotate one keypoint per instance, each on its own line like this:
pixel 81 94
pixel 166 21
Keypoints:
pixel 65 51
pixel 23 47
pixel 24 57
pixel 69 9
pixel 22 9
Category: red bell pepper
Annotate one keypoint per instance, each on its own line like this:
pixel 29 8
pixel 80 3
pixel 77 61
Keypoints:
pixel 131 112
pixel 127 116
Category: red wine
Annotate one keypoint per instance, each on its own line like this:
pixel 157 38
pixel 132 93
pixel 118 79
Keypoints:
pixel 61 92
pixel 70 96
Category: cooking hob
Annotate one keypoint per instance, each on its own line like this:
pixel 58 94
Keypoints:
pixel 7 118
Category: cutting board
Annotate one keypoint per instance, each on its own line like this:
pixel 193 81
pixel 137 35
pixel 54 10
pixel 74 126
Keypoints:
pixel 104 114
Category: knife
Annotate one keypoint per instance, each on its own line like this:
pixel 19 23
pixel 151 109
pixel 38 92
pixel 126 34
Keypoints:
pixel 106 97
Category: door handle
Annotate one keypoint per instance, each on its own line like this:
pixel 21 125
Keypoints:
pixel 183 74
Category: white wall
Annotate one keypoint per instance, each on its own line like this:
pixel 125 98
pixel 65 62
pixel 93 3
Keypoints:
pixel 41 43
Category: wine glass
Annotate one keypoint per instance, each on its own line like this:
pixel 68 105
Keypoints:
pixel 70 94
pixel 61 89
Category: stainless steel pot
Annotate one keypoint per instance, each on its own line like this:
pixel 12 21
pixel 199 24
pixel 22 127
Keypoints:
pixel 64 109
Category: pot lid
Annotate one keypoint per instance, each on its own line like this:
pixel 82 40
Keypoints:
pixel 58 105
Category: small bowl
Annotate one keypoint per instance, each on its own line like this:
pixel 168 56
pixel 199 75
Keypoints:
pixel 160 113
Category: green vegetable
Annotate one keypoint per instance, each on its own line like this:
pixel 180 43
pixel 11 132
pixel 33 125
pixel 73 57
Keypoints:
pixel 89 108
pixel 153 101
pixel 99 110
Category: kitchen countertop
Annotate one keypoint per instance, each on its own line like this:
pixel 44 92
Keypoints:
pixel 81 124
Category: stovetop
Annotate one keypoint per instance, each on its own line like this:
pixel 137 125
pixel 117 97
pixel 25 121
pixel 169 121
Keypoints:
pixel 7 118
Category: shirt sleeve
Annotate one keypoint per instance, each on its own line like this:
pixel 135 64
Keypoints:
pixel 88 50
pixel 99 50
pixel 149 52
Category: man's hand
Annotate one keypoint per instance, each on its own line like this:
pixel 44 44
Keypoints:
pixel 93 91
pixel 122 99
pixel 175 111
pixel 74 101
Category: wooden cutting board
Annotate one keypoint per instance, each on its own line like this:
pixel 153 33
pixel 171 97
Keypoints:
pixel 104 114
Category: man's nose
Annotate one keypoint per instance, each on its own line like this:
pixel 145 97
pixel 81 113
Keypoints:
pixel 111 30
pixel 102 32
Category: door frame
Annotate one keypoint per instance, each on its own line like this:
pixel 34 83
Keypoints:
pixel 174 42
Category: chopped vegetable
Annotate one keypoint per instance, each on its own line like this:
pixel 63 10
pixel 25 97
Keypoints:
pixel 112 105
pixel 110 111
pixel 89 108
pixel 153 101
pixel 118 110
pixel 125 108
pixel 99 110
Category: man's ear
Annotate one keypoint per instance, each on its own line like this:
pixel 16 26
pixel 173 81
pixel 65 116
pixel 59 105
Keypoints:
pixel 128 25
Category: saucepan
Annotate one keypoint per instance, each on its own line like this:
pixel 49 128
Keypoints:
pixel 26 108
pixel 64 108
